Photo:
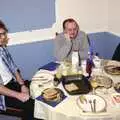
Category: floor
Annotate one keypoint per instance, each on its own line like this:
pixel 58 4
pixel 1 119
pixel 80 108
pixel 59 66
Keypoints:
pixel 4 117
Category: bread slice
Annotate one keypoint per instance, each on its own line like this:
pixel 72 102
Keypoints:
pixel 50 93
pixel 71 87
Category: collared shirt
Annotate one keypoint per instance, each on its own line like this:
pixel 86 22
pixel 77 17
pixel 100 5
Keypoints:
pixel 7 70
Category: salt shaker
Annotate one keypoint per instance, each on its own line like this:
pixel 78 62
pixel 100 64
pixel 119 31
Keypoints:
pixel 56 81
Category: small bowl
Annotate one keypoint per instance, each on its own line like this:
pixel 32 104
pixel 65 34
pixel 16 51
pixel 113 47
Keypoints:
pixel 117 87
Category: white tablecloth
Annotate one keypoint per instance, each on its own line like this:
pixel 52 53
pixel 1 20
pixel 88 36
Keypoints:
pixel 68 109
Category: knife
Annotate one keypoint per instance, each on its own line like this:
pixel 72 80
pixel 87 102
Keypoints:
pixel 94 105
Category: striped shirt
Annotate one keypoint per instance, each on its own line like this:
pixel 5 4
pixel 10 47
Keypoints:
pixel 7 70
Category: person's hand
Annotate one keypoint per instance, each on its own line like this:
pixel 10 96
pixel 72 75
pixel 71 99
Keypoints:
pixel 67 36
pixel 23 97
pixel 24 89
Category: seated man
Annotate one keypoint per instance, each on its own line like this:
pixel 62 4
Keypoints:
pixel 13 91
pixel 72 39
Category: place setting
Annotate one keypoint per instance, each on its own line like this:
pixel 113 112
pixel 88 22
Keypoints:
pixel 101 84
pixel 52 96
pixel 112 67
pixel 91 104
pixel 41 80
pixel 43 77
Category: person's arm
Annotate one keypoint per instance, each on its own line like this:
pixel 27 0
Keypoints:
pixel 11 93
pixel 19 79
pixel 11 71
pixel 17 75
pixel 6 91
pixel 62 47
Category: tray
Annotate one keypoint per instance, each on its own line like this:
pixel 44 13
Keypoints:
pixel 78 81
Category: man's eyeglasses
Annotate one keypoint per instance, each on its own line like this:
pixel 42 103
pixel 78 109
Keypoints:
pixel 4 33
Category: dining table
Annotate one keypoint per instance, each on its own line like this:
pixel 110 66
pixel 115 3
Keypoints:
pixel 68 108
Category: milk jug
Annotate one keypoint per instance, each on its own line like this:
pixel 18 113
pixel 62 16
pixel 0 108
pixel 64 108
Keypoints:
pixel 75 61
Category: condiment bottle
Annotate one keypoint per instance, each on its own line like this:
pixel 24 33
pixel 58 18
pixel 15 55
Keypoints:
pixel 89 64
pixel 56 81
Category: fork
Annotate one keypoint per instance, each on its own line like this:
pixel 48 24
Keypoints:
pixel 90 101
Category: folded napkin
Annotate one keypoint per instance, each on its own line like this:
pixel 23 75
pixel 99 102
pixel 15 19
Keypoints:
pixel 50 66
pixel 116 99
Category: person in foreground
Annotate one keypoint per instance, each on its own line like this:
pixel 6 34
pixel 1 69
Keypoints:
pixel 71 39
pixel 116 55
pixel 13 91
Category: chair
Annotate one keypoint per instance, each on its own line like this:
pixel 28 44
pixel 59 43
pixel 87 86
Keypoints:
pixel 116 55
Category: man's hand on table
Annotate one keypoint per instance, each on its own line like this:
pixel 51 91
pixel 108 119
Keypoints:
pixel 23 96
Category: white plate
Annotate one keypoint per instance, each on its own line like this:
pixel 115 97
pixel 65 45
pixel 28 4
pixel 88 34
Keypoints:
pixel 109 65
pixel 112 62
pixel 86 106
pixel 43 77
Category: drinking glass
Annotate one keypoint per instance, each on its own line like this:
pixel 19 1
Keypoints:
pixel 94 85
pixel 59 72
